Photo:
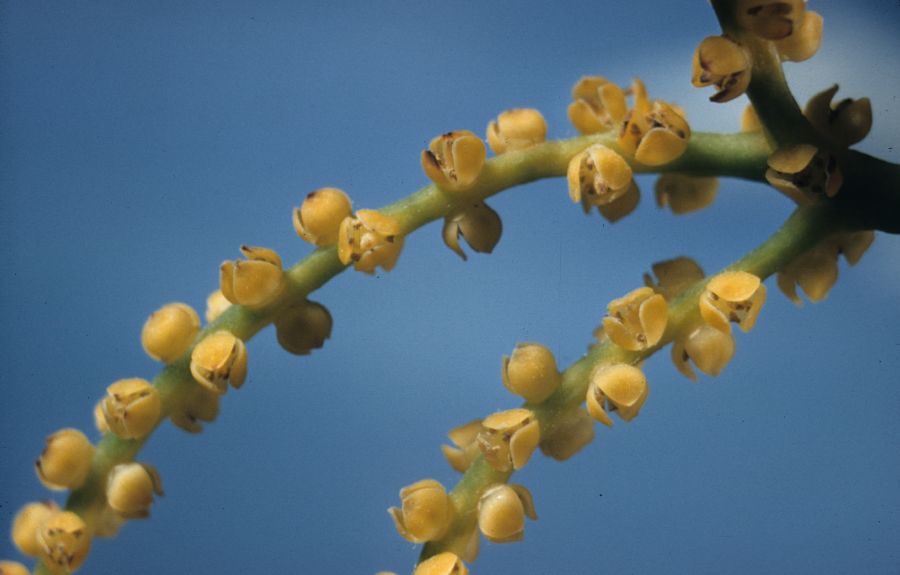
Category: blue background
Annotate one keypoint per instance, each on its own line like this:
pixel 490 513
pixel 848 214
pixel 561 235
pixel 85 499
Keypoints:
pixel 142 143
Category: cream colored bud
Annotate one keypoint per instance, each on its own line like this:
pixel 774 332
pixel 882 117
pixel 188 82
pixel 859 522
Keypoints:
pixel 502 510
pixel 724 63
pixel 130 488
pixel 655 133
pixel 531 372
pixel 169 331
pixel 732 297
pixel 426 511
pixel 598 176
pixel 573 430
pixel 445 563
pixel 218 359
pixel 304 327
pixel 454 160
pixel 65 461
pixel 637 320
pixel 674 276
pixel 509 438
pixel 516 129
pixel 815 270
pixel 216 303
pixel 478 224
pixel 370 240
pixel 317 220
pixel 803 172
pixel 26 524
pixel 844 123
pixel 709 348
pixel 65 542
pixel 620 387
pixel 199 404
pixel 598 106
pixel 131 407
pixel 466 448
pixel 770 19
pixel 684 194
pixel 253 282
pixel 805 41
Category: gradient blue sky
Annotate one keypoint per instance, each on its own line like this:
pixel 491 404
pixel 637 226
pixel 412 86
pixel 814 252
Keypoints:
pixel 142 143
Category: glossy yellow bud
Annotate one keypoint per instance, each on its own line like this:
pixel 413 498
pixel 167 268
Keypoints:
pixel 445 563
pixel 854 244
pixel 370 240
pixel 621 206
pixel 13 568
pixel 478 224
pixel 516 129
pixel 254 282
pixel 509 438
pixel 99 418
pixel 454 160
pixel 750 120
pixel 573 430
pixel 130 488
pixel 723 63
pixel 658 137
pixel 169 331
pixel 199 404
pixel 65 542
pixel 598 106
pixel 815 270
pixel 844 123
pixel 502 510
pixel 216 303
pixel 131 407
pixel 637 320
pixel 803 172
pixel 466 448
pixel 531 372
pixel 317 220
pixel 65 461
pixel 805 41
pixel 732 297
pixel 218 359
pixel 684 194
pixel 619 387
pixel 770 19
pixel 426 511
pixel 26 524
pixel 674 276
pixel 598 176
pixel 303 327
pixel 709 348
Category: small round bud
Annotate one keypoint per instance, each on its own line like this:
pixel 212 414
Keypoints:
pixel 502 510
pixel 199 404
pixel 65 461
pixel 303 327
pixel 216 303
pixel 805 41
pixel 709 348
pixel 218 359
pixel 65 542
pixel 684 194
pixel 620 387
pixel 516 129
pixel 478 224
pixel 445 563
pixel 317 220
pixel 169 331
pixel 130 488
pixel 531 372
pixel 655 134
pixel 131 407
pixel 370 240
pixel 803 173
pixel 254 282
pixel 454 160
pixel 674 276
pixel 770 19
pixel 26 524
pixel 732 297
pixel 509 438
pixel 426 511
pixel 598 176
pixel 13 568
pixel 637 320
pixel 598 106
pixel 724 63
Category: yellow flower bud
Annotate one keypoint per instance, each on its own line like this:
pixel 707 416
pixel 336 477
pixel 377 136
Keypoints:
pixel 770 19
pixel 531 372
pixel 637 320
pixel 805 41
pixel 13 568
pixel 655 134
pixel 709 348
pixel 131 407
pixel 304 327
pixel 684 194
pixel 750 120
pixel 426 511
pixel 466 447
pixel 803 172
pixel 844 123
pixel 454 160
pixel 199 404
pixel 445 563
pixel 721 62
pixel 99 418
pixel 478 224
pixel 169 331
pixel 620 387
pixel 621 206
pixel 674 276
pixel 509 438
pixel 216 303
pixel 732 297
pixel 571 432
pixel 317 220
pixel 26 524
pixel 598 176
pixel 815 270
pixel 516 129
pixel 501 512
pixel 218 359
pixel 598 106
pixel 370 240
pixel 130 488
pixel 65 542
pixel 65 461
pixel 854 244
pixel 254 282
